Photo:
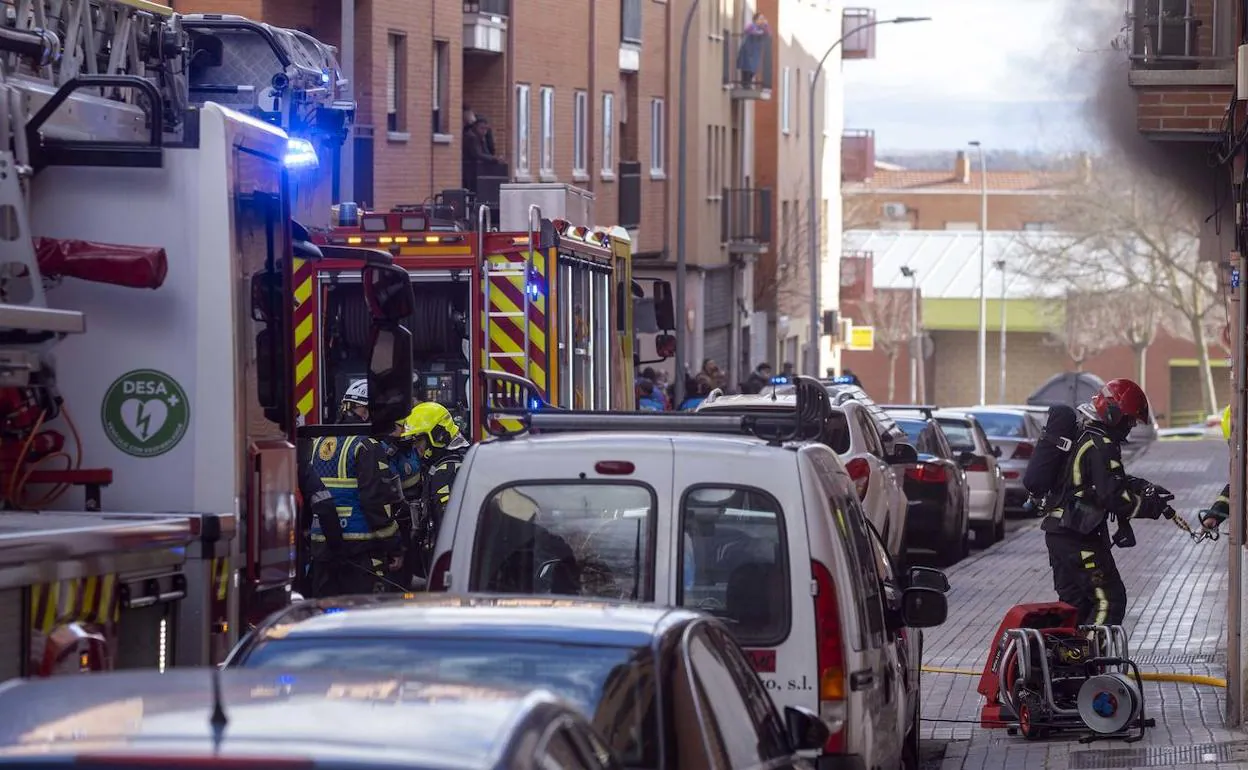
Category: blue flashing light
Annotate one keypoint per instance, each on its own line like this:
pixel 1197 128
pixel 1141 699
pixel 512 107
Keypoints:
pixel 844 379
pixel 333 610
pixel 535 405
pixel 285 680
pixel 325 77
pixel 300 154
pixel 533 290
pixel 779 380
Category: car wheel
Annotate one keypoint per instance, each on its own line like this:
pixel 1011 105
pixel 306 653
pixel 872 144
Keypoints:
pixel 998 530
pixel 951 551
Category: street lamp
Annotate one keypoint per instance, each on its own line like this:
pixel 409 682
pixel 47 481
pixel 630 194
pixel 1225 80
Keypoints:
pixel 913 275
pixel 983 275
pixel 1000 265
pixel 682 184
pixel 815 335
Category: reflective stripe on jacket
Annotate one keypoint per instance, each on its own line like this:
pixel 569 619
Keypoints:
pixel 336 460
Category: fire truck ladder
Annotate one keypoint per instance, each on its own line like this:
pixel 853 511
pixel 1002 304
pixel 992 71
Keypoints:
pixel 507 272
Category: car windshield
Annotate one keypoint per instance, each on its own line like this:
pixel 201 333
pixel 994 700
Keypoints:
pixel 582 538
pixel 959 435
pixel 1003 424
pixel 612 686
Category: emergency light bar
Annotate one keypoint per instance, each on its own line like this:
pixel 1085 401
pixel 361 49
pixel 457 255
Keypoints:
pixel 300 154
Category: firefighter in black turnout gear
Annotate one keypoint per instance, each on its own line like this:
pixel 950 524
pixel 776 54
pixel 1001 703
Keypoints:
pixel 441 447
pixel 357 473
pixel 1096 489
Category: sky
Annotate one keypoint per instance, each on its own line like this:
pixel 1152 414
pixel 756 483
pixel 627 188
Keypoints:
pixel 1008 73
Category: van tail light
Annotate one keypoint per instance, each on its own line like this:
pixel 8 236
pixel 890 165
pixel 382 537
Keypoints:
pixel 830 658
pixel 860 472
pixel 440 575
pixel 1023 450
pixel 927 473
pixel 978 465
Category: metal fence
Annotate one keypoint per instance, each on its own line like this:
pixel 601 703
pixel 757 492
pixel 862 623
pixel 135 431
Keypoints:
pixel 1181 34
pixel 747 61
pixel 746 216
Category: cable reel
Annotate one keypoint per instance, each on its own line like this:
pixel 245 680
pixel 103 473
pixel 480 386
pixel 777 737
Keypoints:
pixel 1110 703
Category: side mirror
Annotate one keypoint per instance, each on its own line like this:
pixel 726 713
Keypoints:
pixel 924 607
pixel 387 289
pixel 645 320
pixel 926 577
pixel 805 729
pixel 665 346
pixel 903 454
pixel 389 375
pixel 664 305
pixel 996 452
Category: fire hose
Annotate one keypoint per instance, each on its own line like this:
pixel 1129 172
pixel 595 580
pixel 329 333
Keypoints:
pixel 1147 676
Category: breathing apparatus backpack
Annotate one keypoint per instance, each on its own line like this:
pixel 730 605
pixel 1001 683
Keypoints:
pixel 1046 471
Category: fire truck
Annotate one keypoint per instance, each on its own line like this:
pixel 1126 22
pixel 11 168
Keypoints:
pixel 553 303
pixel 147 426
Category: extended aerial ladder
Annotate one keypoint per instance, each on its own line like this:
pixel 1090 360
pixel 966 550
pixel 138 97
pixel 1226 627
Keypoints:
pixel 106 134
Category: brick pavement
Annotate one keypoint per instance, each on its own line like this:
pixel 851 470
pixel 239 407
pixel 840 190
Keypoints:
pixel 1175 621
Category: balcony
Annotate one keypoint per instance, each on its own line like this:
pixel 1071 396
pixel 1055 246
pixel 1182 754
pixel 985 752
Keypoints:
pixel 859 38
pixel 747 66
pixel 746 220
pixel 1181 42
pixel 857 276
pixel 485 179
pixel 485 26
pixel 630 194
pixel 857 155
pixel 630 35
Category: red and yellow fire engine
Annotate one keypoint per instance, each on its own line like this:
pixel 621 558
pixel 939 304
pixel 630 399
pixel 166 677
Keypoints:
pixel 553 304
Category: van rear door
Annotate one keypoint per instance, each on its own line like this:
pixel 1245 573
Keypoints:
pixel 743 557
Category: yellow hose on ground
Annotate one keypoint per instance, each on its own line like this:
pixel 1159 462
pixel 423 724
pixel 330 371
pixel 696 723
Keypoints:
pixel 1147 676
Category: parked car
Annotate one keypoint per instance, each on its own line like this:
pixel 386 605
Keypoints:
pixel 666 688
pixel 851 432
pixel 842 392
pixel 978 458
pixel 938 491
pixel 1015 432
pixel 649 507
pixel 273 718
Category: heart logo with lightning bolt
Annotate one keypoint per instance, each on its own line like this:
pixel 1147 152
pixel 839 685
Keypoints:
pixel 144 418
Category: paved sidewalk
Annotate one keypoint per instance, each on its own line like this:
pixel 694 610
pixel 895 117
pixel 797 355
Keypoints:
pixel 1175 622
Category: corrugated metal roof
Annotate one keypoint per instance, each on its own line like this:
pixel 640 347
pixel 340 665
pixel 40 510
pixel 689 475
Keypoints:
pixel 948 181
pixel 947 261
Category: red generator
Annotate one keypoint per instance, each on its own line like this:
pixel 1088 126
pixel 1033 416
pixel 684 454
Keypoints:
pixel 1045 673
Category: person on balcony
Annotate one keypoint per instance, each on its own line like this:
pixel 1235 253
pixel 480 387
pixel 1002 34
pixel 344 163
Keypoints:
pixel 753 49
pixel 478 150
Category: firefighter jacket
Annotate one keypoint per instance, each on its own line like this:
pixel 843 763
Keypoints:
pixel 318 507
pixel 405 462
pixel 1096 487
pixel 356 470
pixel 1221 507
pixel 440 480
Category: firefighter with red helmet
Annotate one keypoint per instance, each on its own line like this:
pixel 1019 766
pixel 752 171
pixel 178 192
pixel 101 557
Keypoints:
pixel 1095 489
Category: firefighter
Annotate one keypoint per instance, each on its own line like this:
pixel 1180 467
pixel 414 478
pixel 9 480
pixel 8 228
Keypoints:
pixel 1213 516
pixel 318 508
pixel 441 448
pixel 406 464
pixel 1094 488
pixel 357 472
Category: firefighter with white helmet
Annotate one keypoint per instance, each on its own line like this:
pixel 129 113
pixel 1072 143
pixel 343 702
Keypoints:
pixel 358 474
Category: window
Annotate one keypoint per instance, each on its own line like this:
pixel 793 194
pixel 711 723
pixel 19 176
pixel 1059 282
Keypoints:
pixel 608 134
pixel 1003 424
pixel 522 129
pixel 959 435
pixel 730 728
pixel 786 100
pixel 733 561
pixel 441 86
pixel 580 133
pixel 658 136
pixel 547 159
pixel 870 434
pixel 396 83
pixel 579 538
pixel 560 752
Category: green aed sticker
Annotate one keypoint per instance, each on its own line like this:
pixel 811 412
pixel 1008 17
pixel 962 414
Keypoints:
pixel 145 413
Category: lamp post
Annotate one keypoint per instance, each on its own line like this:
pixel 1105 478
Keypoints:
pixel 812 350
pixel 913 275
pixel 682 185
pixel 1000 265
pixel 983 275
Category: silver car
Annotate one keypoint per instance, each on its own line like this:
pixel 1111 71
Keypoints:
pixel 1013 431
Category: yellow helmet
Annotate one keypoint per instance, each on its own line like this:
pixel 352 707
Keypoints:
pixel 434 423
pixel 1226 423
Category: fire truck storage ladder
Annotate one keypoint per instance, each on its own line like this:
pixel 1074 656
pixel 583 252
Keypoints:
pixel 508 273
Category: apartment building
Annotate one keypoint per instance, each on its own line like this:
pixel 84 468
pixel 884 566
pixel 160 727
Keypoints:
pixel 805 31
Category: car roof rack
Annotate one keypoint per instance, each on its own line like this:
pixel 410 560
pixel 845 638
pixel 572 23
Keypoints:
pixel 925 409
pixel 514 406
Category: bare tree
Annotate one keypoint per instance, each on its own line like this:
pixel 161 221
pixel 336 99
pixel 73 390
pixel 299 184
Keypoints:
pixel 888 311
pixel 1137 316
pixel 1083 324
pixel 790 282
pixel 1132 231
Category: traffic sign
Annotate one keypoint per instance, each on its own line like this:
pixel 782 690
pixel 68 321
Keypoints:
pixel 861 338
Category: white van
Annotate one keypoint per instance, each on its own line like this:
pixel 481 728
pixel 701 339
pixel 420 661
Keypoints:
pixel 770 538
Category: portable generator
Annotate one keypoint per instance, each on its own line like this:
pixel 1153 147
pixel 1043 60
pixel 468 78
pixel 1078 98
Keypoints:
pixel 1045 673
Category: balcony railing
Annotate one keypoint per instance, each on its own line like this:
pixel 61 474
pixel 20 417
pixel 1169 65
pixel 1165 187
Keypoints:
pixel 746 219
pixel 859 37
pixel 1181 34
pixel 630 21
pixel 857 276
pixel 748 65
pixel 488 7
pixel 857 155
pixel 630 194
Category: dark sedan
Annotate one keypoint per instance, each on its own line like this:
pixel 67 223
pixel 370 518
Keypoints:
pixel 666 688
pixel 266 719
pixel 937 491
